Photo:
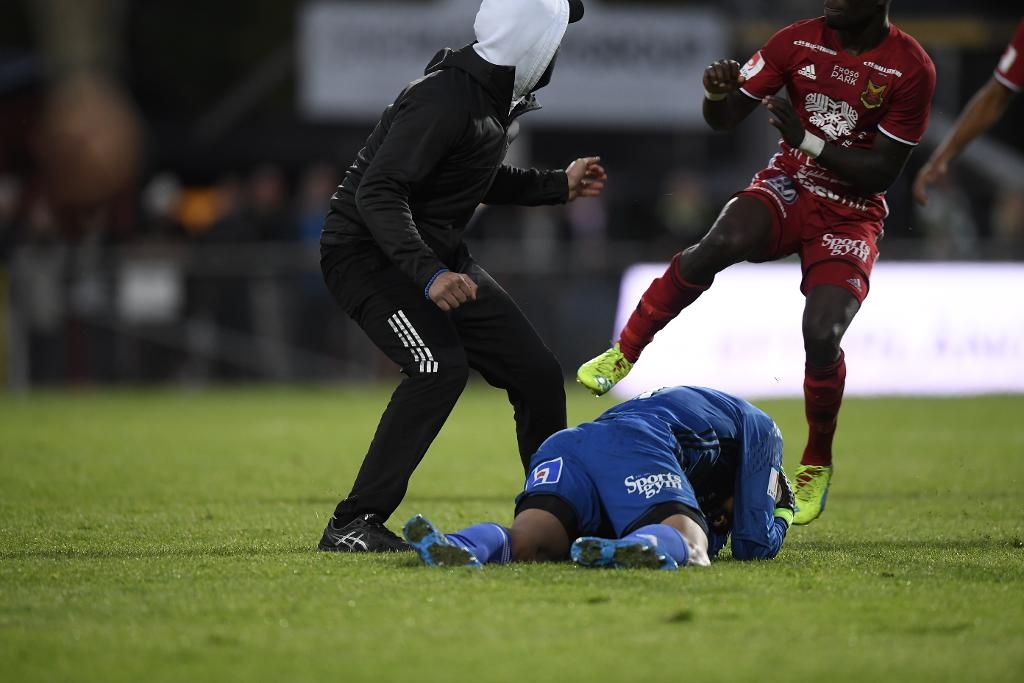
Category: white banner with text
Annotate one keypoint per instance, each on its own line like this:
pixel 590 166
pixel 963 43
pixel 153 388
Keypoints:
pixel 925 329
pixel 620 66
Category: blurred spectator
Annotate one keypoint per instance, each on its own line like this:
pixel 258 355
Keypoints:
pixel 39 298
pixel 218 302
pixel 317 183
pixel 314 323
pixel 217 213
pixel 10 203
pixel 91 301
pixel 161 204
pixel 266 208
pixel 266 205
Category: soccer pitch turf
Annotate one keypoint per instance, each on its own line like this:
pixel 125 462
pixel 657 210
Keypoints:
pixel 168 536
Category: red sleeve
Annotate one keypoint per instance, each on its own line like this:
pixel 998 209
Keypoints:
pixel 765 72
pixel 1010 70
pixel 907 116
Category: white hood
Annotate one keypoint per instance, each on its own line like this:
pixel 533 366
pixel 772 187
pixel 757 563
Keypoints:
pixel 521 33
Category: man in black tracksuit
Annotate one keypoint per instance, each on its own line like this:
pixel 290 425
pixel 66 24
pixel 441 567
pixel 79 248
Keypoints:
pixel 393 256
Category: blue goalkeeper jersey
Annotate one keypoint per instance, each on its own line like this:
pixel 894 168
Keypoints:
pixel 689 445
pixel 724 445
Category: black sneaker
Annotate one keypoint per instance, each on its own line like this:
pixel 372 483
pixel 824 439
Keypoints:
pixel 364 534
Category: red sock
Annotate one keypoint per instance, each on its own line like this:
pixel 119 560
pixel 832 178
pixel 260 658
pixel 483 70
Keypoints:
pixel 823 394
pixel 663 300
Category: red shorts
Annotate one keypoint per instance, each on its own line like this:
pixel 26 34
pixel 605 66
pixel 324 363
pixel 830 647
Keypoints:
pixel 837 244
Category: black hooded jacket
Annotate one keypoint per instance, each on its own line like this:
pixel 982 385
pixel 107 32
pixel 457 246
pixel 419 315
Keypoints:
pixel 435 155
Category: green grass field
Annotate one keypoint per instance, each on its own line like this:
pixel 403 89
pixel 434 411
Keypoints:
pixel 168 536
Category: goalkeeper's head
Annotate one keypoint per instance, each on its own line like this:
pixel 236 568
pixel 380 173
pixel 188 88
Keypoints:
pixel 719 517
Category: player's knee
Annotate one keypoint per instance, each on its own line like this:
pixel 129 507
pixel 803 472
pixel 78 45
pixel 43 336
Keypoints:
pixel 535 375
pixel 544 371
pixel 822 336
pixel 720 248
pixel 448 370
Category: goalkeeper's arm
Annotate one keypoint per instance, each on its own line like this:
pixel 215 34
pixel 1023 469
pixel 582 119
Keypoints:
pixel 764 508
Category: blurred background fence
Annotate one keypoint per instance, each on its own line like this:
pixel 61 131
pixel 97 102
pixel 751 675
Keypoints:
pixel 165 168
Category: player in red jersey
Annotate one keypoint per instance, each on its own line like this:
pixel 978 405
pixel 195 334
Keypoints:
pixel 985 108
pixel 859 95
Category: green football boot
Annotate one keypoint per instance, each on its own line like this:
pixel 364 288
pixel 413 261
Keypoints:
pixel 602 373
pixel 812 482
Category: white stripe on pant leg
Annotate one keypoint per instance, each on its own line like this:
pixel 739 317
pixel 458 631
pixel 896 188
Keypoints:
pixel 407 340
pixel 403 328
pixel 404 337
pixel 403 322
pixel 415 334
pixel 430 356
pixel 393 320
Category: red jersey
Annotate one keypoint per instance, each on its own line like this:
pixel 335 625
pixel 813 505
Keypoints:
pixel 1010 70
pixel 845 99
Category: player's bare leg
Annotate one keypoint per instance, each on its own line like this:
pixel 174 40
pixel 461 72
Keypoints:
pixel 742 230
pixel 538 536
pixel 828 312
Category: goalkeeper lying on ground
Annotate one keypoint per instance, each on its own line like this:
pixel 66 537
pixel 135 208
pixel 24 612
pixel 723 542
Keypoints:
pixel 659 481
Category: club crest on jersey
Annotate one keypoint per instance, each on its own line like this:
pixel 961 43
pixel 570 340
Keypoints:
pixel 548 472
pixel 872 95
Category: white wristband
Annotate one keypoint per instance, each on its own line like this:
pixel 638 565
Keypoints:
pixel 811 145
pixel 714 96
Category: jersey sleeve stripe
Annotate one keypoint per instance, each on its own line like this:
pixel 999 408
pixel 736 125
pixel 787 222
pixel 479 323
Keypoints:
pixel 753 97
pixel 1015 87
pixel 897 138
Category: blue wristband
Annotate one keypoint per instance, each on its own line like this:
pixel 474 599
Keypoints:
pixel 426 290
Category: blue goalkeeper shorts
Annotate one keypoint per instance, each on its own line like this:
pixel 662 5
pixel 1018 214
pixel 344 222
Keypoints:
pixel 610 472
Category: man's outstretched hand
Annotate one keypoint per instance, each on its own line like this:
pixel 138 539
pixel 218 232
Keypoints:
pixel 586 177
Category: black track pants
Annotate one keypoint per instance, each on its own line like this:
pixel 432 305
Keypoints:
pixel 435 351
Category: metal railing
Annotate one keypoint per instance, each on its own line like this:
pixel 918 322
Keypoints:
pixel 260 312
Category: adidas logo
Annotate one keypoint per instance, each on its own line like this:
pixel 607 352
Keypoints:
pixel 808 72
pixel 854 282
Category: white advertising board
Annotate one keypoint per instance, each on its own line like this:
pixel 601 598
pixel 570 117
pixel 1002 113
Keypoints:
pixel 621 66
pixel 925 329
